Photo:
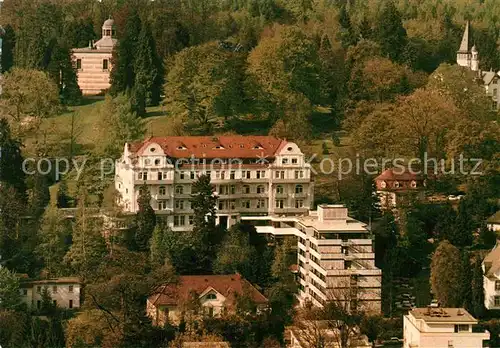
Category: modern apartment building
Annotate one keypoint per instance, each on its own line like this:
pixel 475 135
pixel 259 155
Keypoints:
pixel 335 257
pixel 441 328
pixel 251 175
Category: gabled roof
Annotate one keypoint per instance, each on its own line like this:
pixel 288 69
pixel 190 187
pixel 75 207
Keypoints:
pixel 494 219
pixel 233 146
pixel 488 76
pixel 492 262
pixel 227 285
pixel 393 174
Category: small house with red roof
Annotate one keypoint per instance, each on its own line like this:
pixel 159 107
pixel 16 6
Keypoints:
pixel 395 186
pixel 212 295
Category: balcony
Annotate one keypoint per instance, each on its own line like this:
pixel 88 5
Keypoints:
pixel 348 272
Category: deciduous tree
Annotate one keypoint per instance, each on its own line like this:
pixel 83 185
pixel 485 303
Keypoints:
pixel 446 274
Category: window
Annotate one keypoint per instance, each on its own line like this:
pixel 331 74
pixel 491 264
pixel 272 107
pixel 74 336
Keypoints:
pixel 232 175
pixel 299 189
pixel 495 105
pixel 179 220
pixel 179 189
pixel 495 92
pixel 105 64
pixel 208 173
pixel 347 264
pixel 261 203
pixel 159 175
pixel 232 204
pixel 162 191
pixel 192 175
pixel 222 175
pixel 261 189
pixel 79 64
pixel 245 204
pixel 157 162
pixel 461 328
pixel 191 219
pixel 280 174
pixel 179 204
pixel 143 175
pixel 181 175
pixel 54 289
pixel 233 189
pixel 497 301
pixel 383 184
pixel 497 285
pixel 413 184
pixel 299 203
pixel 284 161
pixel 396 184
pixel 38 289
pixel 246 189
pixel 294 161
pixel 246 174
pixel 211 296
pixel 54 302
pixel 210 311
pixel 165 175
pixel 279 189
pixel 261 174
pixel 162 205
pixel 280 204
pixel 70 305
pixel 70 288
pixel 299 174
pixel 38 304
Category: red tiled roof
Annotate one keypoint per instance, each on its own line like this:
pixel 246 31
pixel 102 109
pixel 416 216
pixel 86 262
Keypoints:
pixel 227 285
pixel 232 146
pixel 397 175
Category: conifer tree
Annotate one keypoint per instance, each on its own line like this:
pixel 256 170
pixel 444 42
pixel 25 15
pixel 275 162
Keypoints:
pixel 347 35
pixel 477 290
pixel 63 199
pixel 145 220
pixel 365 29
pixel 8 45
pixel 446 274
pixel 89 246
pixel 158 249
pixel 466 281
pixel 53 235
pixel 148 70
pixel 39 194
pixel 11 160
pixel 123 72
pixel 390 31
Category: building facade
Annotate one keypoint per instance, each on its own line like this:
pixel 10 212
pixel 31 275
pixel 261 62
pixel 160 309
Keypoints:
pixel 336 261
pixel 441 328
pixel 93 63
pixel 64 292
pixel 468 57
pixel 211 295
pixel 251 175
pixel 493 222
pixel 491 279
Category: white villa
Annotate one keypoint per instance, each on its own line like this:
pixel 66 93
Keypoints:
pixel 491 279
pixel 64 292
pixel 251 175
pixel 441 328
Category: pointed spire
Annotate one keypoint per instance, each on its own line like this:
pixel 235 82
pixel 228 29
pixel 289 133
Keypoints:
pixel 464 46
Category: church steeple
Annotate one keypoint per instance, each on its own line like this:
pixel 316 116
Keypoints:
pixel 464 56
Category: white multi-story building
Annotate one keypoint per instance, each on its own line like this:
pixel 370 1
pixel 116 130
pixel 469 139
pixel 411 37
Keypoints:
pixel 251 175
pixel 335 257
pixel 441 328
pixel 64 292
pixel 491 279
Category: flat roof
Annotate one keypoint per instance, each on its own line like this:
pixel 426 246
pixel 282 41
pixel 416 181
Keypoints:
pixel 443 315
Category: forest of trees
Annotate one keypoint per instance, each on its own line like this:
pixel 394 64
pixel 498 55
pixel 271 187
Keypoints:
pixel 380 74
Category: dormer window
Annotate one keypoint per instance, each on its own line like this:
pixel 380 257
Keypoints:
pixel 383 184
pixel 181 147
pixel 219 147
pixel 242 146
pixel 413 184
pixel 290 148
pixel 396 184
pixel 211 296
pixel 153 149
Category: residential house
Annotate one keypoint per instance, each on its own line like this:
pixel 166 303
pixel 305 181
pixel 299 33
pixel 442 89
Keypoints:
pixel 212 295
pixel 336 261
pixel 441 328
pixel 491 278
pixel 398 186
pixel 251 175
pixel 64 292
pixel 93 63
